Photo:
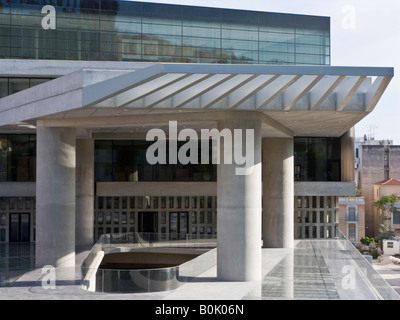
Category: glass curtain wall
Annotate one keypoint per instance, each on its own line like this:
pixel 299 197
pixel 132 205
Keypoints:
pixel 18 157
pixel 125 160
pixel 13 85
pixel 317 159
pixel 139 31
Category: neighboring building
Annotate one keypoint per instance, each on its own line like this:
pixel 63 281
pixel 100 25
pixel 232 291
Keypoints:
pixel 378 160
pixel 352 218
pixel 73 149
pixel 388 187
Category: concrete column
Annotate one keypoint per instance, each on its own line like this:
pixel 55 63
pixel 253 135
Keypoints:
pixel 239 209
pixel 278 193
pixel 84 219
pixel 347 156
pixel 55 197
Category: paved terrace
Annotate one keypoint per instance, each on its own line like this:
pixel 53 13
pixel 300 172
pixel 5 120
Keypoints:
pixel 313 270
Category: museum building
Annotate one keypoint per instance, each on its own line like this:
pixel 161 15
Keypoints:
pixel 83 82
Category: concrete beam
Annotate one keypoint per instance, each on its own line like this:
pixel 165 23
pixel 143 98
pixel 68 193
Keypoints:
pixel 322 188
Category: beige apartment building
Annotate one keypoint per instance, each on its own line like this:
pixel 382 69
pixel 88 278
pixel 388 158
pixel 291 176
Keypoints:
pixel 351 217
pixel 388 187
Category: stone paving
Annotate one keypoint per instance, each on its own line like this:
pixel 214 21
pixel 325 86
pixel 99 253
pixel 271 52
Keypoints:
pixel 313 270
pixel 390 272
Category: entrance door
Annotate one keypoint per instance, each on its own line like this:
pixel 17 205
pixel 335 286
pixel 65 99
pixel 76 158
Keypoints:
pixel 178 225
pixel 19 227
pixel 148 225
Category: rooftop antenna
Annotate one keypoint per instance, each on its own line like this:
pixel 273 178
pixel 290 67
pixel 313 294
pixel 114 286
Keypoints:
pixel 372 132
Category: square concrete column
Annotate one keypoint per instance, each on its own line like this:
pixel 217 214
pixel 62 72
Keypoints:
pixel 84 219
pixel 278 193
pixel 239 206
pixel 55 197
pixel 347 156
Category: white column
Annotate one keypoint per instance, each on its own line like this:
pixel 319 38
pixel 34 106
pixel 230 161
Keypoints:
pixel 84 219
pixel 55 197
pixel 239 210
pixel 278 193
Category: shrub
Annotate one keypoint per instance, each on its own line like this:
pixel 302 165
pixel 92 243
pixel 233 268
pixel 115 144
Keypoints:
pixel 374 254
pixel 366 241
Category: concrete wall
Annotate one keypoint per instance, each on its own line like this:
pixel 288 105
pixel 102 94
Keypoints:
pixel 372 171
pixel 156 188
pixel 142 260
pixel 394 162
pixel 322 188
pixel 18 189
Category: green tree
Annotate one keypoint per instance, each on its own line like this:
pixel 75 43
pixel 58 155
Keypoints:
pixel 386 203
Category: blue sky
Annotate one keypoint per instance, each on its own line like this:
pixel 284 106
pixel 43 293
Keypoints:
pixel 363 33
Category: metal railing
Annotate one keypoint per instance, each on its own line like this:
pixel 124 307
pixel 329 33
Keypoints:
pixel 98 279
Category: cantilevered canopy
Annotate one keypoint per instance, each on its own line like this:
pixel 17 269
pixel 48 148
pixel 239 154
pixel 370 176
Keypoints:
pixel 292 100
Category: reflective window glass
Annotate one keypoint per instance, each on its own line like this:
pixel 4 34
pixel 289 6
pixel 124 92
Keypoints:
pixel 18 84
pixel 87 30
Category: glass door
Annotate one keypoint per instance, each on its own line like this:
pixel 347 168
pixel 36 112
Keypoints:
pixel 148 225
pixel 14 227
pixel 19 227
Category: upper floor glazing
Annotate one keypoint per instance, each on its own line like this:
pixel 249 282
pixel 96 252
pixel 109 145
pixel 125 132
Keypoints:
pixel 137 31
pixel 315 159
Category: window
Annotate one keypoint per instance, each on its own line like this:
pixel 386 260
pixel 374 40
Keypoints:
pixel 17 157
pixel 125 160
pixel 124 202
pixel 132 217
pixel 317 159
pixel 351 232
pixel 386 159
pixel 116 217
pixel 396 217
pixel 3 203
pixel 351 214
pixel 108 218
pixel 124 218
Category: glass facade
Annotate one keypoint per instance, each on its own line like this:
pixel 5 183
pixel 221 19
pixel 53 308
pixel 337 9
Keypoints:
pixel 125 160
pixel 170 217
pixel 317 159
pixel 12 85
pixel 136 31
pixel 17 157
